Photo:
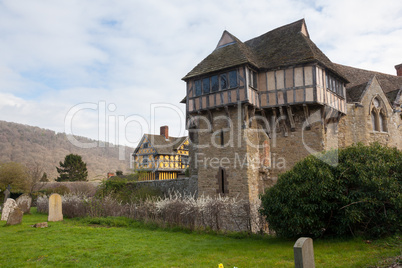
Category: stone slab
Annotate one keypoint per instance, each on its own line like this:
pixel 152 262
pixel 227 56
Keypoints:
pixel 40 225
pixel 304 253
pixel 15 216
pixel 24 203
pixel 55 208
pixel 8 206
pixel 6 195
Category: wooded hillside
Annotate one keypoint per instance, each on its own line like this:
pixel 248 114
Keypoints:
pixel 26 144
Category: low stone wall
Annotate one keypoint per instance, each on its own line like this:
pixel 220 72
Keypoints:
pixel 185 186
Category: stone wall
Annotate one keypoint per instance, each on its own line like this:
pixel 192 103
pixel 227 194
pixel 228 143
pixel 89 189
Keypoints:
pixel 226 155
pixel 185 186
pixel 357 125
pixel 289 147
pixel 210 155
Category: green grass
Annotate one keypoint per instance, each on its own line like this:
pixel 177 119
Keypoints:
pixel 96 243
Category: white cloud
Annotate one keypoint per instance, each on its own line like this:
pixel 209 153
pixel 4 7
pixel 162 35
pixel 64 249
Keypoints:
pixel 57 54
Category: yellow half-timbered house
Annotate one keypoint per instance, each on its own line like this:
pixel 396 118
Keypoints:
pixel 161 157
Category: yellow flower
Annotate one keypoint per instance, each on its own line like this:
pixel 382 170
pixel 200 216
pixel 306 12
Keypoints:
pixel 220 265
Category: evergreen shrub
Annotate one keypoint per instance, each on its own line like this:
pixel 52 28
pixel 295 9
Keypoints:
pixel 361 195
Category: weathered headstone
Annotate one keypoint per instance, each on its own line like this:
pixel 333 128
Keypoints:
pixel 15 216
pixel 24 203
pixel 304 253
pixel 40 225
pixel 6 195
pixel 9 206
pixel 55 208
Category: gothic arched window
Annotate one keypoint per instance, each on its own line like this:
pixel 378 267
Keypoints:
pixel 378 114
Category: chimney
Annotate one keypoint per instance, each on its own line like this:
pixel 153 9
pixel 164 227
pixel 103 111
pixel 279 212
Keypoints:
pixel 165 132
pixel 398 69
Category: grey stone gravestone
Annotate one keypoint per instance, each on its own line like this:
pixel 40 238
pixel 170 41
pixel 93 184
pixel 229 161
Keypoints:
pixel 15 216
pixel 6 195
pixel 55 208
pixel 9 206
pixel 304 253
pixel 24 203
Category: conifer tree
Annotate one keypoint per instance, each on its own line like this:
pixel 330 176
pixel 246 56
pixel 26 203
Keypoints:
pixel 73 169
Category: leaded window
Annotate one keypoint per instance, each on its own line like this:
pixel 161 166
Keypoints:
pixel 205 85
pixel 378 115
pixel 224 81
pixel 198 91
pixel 214 83
pixel 233 79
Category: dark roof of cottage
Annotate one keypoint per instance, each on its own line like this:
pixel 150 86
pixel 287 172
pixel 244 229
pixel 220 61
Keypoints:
pixel 393 95
pixel 357 77
pixel 354 94
pixel 161 144
pixel 179 142
pixel 281 47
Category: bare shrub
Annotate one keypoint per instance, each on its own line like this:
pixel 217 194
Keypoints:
pixel 205 213
pixel 82 188
pixel 42 204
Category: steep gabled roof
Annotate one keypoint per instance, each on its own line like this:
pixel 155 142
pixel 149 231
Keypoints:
pixel 395 96
pixel 224 56
pixel 162 145
pixel 355 94
pixel 390 84
pixel 284 46
pixel 179 142
pixel 287 45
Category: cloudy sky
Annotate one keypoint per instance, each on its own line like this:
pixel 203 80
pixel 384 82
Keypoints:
pixel 111 70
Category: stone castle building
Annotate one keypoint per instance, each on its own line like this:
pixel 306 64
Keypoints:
pixel 255 108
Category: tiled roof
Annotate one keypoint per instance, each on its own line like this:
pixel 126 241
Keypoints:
pixel 224 57
pixel 354 94
pixel 179 142
pixel 164 146
pixel 395 96
pixel 284 46
pixel 357 77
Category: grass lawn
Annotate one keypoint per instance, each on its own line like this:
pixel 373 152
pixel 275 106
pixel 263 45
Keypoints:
pixel 73 243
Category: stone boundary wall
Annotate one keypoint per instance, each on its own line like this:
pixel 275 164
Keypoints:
pixel 185 186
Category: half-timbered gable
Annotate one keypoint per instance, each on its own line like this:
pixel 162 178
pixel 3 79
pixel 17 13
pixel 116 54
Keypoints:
pixel 161 156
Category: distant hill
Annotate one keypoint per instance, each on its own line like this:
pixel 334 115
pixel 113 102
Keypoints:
pixel 26 144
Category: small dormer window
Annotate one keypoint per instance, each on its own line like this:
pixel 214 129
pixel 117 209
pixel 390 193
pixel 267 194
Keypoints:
pixel 145 145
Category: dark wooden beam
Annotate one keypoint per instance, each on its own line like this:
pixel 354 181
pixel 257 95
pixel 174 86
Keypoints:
pixel 306 116
pixel 266 126
pixel 245 116
pixel 228 115
pixel 283 122
pixel 250 119
pixel 291 119
pixel 211 120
